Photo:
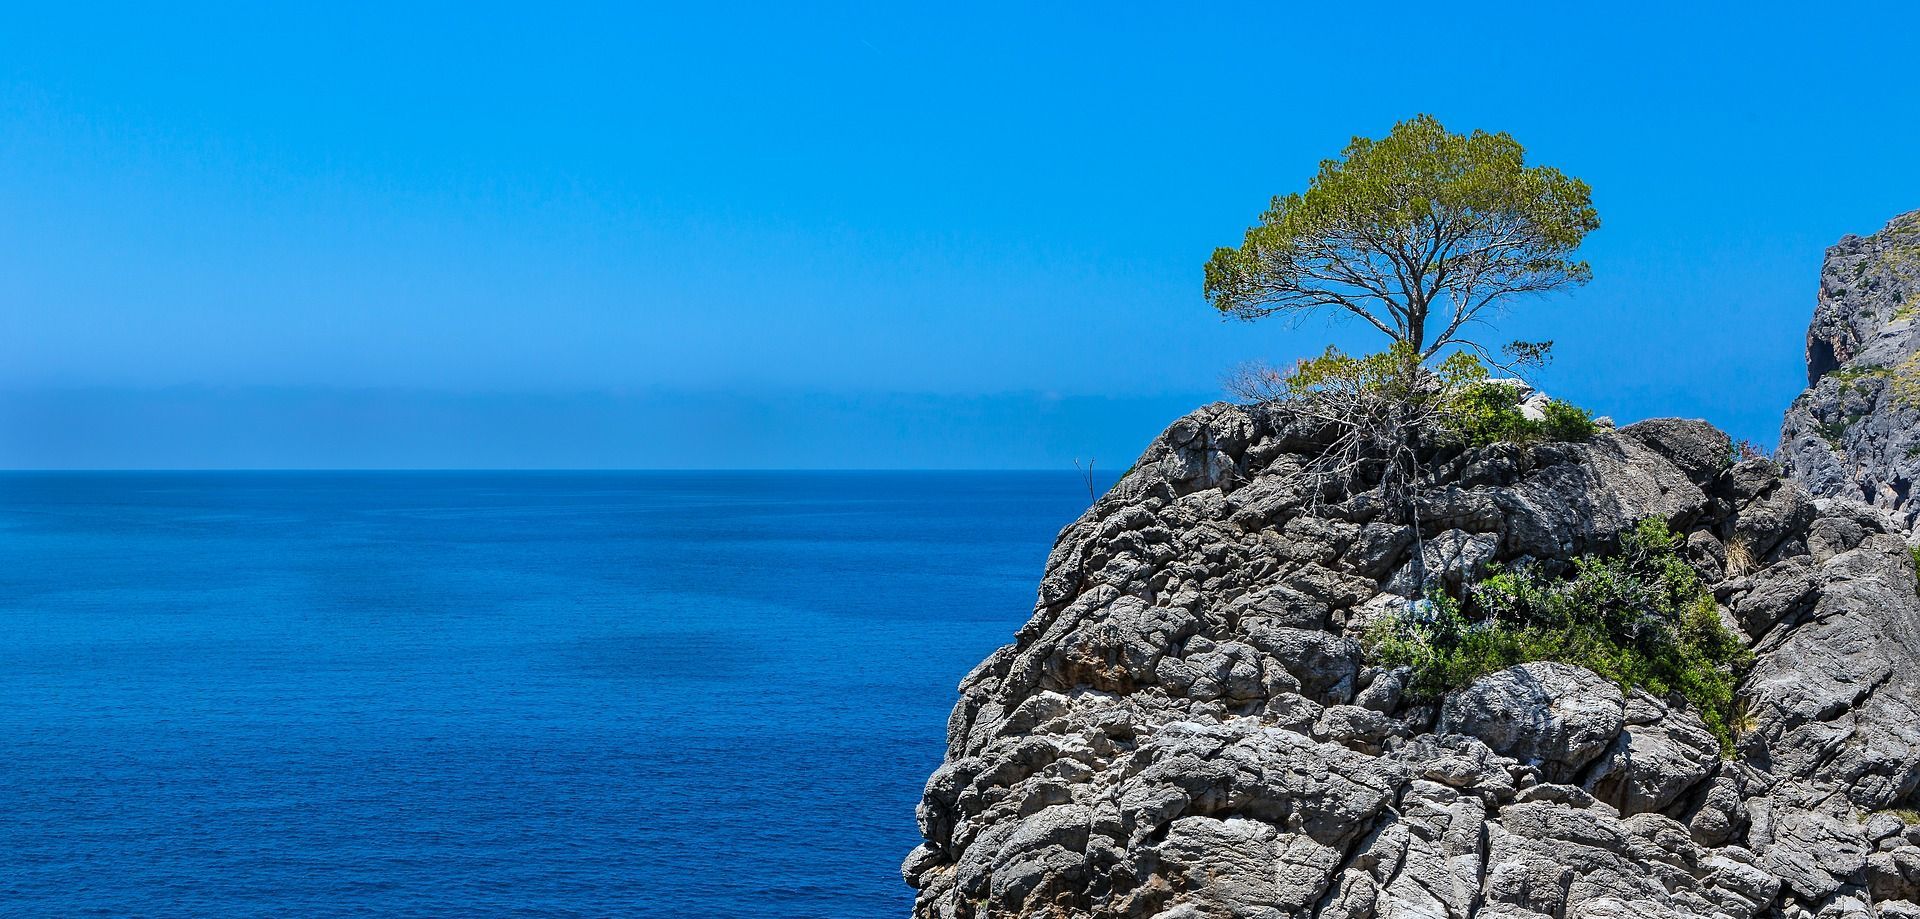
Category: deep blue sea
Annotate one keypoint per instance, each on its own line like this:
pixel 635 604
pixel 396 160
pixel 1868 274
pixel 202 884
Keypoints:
pixel 456 694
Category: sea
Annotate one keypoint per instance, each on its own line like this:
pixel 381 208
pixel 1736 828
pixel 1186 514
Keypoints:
pixel 699 694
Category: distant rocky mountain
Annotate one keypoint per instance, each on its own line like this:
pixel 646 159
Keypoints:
pixel 1852 433
pixel 1188 726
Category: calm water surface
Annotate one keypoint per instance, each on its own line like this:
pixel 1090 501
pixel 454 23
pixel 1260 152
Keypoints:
pixel 330 694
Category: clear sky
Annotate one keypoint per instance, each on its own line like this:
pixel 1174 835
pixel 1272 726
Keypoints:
pixel 953 235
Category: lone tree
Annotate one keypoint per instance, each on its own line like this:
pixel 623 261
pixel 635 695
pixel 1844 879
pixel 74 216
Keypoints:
pixel 1419 233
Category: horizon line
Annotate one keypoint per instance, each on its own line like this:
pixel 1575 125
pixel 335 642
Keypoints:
pixel 526 469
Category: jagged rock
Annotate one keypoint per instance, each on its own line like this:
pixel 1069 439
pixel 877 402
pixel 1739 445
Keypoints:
pixel 1448 558
pixel 1895 875
pixel 1535 407
pixel 1659 755
pixel 1850 434
pixel 1552 717
pixel 1814 852
pixel 1721 814
pixel 1187 728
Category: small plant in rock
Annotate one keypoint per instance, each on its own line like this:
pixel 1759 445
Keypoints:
pixel 1566 422
pixel 1739 556
pixel 1490 412
pixel 1834 430
pixel 1486 413
pixel 1640 617
pixel 1086 472
pixel 1906 381
pixel 1849 374
pixel 1742 722
pixel 1739 451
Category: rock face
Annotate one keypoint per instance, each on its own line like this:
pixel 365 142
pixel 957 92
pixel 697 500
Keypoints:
pixel 1187 727
pixel 1849 435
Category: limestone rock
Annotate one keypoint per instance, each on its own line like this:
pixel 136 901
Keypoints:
pixel 1660 755
pixel 1187 727
pixel 1554 718
pixel 1850 435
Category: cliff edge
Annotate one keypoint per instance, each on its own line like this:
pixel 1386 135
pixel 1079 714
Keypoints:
pixel 1852 434
pixel 1188 726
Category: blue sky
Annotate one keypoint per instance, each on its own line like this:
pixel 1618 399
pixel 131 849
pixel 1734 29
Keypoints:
pixel 715 235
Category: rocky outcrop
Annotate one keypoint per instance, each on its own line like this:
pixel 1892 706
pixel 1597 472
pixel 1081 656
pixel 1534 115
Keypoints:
pixel 1188 727
pixel 1851 434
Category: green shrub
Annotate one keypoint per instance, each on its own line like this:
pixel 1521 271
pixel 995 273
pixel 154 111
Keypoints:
pixel 1834 430
pixel 1849 374
pixel 1640 617
pixel 1487 413
pixel 1566 422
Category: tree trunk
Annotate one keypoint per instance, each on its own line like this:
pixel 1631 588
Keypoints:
pixel 1417 326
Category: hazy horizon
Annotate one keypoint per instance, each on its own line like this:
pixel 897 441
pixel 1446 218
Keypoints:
pixel 192 428
pixel 848 237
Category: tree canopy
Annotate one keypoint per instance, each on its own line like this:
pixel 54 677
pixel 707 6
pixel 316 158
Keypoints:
pixel 1419 233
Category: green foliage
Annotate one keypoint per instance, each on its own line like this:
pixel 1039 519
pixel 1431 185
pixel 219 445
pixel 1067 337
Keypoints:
pixel 1640 617
pixel 1418 233
pixel 1486 413
pixel 1849 377
pixel 1529 353
pixel 1395 375
pixel 1855 373
pixel 1906 381
pixel 1455 396
pixel 1834 430
pixel 1565 421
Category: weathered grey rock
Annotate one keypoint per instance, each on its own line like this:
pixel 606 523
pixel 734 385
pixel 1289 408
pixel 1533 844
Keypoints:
pixel 1552 717
pixel 1659 755
pixel 1850 435
pixel 1721 814
pixel 1813 851
pixel 1187 727
pixel 1449 558
pixel 1895 875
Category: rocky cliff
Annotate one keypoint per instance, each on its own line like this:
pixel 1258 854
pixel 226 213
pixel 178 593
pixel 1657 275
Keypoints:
pixel 1851 434
pixel 1187 727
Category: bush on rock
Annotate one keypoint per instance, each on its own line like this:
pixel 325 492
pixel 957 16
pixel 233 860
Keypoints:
pixel 1640 617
